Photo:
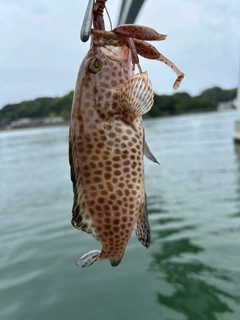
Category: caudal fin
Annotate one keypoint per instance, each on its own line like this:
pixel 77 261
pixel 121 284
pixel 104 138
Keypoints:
pixel 87 259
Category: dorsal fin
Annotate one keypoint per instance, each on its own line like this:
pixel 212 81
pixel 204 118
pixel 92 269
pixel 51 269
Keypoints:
pixel 147 152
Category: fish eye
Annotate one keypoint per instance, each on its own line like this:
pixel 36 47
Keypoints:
pixel 94 65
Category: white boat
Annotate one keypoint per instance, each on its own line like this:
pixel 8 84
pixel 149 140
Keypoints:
pixel 236 135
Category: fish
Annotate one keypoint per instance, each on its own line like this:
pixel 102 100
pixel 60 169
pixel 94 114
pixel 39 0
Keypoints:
pixel 106 137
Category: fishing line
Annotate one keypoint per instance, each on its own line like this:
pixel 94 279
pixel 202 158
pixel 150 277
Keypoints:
pixel 109 18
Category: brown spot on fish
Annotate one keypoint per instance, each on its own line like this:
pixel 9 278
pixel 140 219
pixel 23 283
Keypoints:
pixel 109 186
pixel 87 174
pixel 108 213
pixel 120 194
pixel 126 169
pixel 113 196
pixel 116 229
pixel 115 207
pixel 117 172
pixel 118 130
pixel 114 180
pixel 121 185
pixel 97 172
pixel 107 220
pixel 94 157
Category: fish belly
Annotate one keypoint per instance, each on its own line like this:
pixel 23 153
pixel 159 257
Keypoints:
pixel 111 194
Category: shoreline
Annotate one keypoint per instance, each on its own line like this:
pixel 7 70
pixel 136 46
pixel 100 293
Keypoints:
pixel 34 125
pixel 39 124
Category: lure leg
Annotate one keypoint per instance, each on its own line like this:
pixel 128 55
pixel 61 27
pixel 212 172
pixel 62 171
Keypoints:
pixel 136 35
pixel 135 59
pixel 148 51
pixel 137 32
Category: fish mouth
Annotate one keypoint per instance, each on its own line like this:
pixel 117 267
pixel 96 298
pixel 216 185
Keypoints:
pixel 115 263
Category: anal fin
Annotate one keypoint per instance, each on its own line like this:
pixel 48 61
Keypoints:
pixel 143 231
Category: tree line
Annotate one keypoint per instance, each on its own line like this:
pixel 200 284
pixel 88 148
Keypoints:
pixel 177 103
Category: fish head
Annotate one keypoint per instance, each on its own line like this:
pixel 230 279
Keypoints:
pixel 108 57
pixel 105 68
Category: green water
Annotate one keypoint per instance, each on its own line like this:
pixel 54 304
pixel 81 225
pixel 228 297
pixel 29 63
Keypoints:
pixel 192 268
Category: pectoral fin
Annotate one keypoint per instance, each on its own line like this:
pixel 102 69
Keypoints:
pixel 136 95
pixel 143 231
pixel 87 259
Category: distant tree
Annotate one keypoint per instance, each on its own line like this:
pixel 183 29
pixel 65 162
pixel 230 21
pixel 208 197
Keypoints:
pixel 181 96
pixel 217 94
pixel 38 108
pixel 177 103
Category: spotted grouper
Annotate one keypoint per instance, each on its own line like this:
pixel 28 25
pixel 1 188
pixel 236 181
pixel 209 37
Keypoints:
pixel 107 144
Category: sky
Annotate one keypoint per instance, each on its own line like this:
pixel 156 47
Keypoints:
pixel 40 48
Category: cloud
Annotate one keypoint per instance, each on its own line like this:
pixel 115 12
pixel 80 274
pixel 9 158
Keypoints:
pixel 42 50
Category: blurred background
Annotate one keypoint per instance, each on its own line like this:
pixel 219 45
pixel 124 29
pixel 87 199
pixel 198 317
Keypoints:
pixel 192 269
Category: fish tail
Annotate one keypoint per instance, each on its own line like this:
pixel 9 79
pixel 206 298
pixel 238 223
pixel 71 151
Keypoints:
pixel 88 259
